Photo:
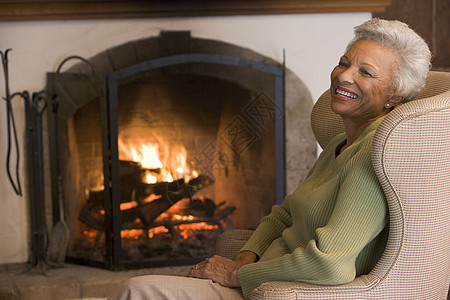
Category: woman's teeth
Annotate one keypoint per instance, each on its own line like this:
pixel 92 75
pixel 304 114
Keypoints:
pixel 346 94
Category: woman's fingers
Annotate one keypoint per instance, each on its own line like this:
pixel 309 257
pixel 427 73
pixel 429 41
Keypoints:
pixel 218 269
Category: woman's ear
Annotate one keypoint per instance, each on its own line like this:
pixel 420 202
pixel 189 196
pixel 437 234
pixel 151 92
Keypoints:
pixel 395 100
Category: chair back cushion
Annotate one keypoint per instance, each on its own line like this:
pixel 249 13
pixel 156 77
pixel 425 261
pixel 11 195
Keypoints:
pixel 411 157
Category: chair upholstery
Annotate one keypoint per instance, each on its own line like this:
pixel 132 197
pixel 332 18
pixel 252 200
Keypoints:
pixel 411 157
pixel 230 242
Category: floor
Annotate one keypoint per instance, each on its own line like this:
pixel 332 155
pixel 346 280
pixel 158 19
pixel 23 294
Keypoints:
pixel 68 283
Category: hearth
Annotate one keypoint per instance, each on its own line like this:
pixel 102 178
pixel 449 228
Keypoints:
pixel 155 155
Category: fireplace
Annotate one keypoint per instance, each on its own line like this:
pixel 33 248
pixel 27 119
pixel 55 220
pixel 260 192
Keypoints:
pixel 159 145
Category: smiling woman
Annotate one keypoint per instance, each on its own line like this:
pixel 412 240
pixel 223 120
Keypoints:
pixel 378 71
pixel 361 85
pixel 334 226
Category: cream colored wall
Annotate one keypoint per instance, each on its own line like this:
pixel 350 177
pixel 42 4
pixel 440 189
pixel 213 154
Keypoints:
pixel 313 44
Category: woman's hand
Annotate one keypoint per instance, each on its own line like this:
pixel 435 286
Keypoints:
pixel 222 270
pixel 219 269
pixel 245 257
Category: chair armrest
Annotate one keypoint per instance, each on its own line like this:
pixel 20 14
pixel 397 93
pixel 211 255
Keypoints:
pixel 230 242
pixel 296 290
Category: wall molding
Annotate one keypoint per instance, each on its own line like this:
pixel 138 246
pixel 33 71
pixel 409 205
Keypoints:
pixel 37 10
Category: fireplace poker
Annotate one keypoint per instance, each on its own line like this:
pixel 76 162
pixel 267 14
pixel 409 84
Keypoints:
pixel 11 128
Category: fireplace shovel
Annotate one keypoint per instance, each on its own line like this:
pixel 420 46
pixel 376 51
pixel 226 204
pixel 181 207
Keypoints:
pixel 60 234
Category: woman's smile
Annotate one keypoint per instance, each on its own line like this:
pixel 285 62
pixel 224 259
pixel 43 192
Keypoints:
pixel 344 94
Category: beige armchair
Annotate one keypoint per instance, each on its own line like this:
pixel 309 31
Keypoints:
pixel 411 157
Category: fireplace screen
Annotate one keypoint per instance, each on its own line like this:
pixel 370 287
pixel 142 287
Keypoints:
pixel 158 158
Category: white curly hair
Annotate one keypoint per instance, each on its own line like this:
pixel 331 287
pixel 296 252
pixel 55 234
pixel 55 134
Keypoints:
pixel 413 52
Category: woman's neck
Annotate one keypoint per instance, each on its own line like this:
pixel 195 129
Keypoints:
pixel 353 130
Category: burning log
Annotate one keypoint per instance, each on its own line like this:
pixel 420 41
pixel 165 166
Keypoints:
pixel 92 213
pixel 148 212
pixel 200 182
pixel 92 218
pixel 131 175
pixel 161 188
pixel 203 207
pixel 132 184
pixel 220 214
pixel 169 192
pixel 134 169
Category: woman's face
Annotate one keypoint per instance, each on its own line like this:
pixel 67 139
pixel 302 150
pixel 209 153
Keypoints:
pixel 361 82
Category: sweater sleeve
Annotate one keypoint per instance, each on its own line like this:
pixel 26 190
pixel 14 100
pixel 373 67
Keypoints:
pixel 358 216
pixel 270 228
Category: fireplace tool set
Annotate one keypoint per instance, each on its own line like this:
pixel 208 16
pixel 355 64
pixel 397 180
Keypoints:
pixel 34 106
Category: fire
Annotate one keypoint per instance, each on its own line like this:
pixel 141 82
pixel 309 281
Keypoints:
pixel 131 233
pixel 123 206
pixel 147 156
pixel 157 230
pixel 176 217
pixel 128 205
pixel 163 163
pixel 90 233
pixel 186 230
pixel 151 208
pixel 149 178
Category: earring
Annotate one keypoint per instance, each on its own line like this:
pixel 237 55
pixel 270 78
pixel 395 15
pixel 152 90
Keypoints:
pixel 387 105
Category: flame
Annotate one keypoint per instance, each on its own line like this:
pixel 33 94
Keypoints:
pixel 123 206
pixel 169 177
pixel 157 230
pixel 131 233
pixel 90 233
pixel 149 178
pixel 128 205
pixel 147 154
pixel 164 163
pixel 187 230
pixel 182 218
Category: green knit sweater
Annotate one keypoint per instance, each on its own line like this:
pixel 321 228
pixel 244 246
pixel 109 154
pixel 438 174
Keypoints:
pixel 332 228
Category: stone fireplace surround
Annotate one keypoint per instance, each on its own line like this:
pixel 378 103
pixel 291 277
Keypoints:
pixel 300 146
